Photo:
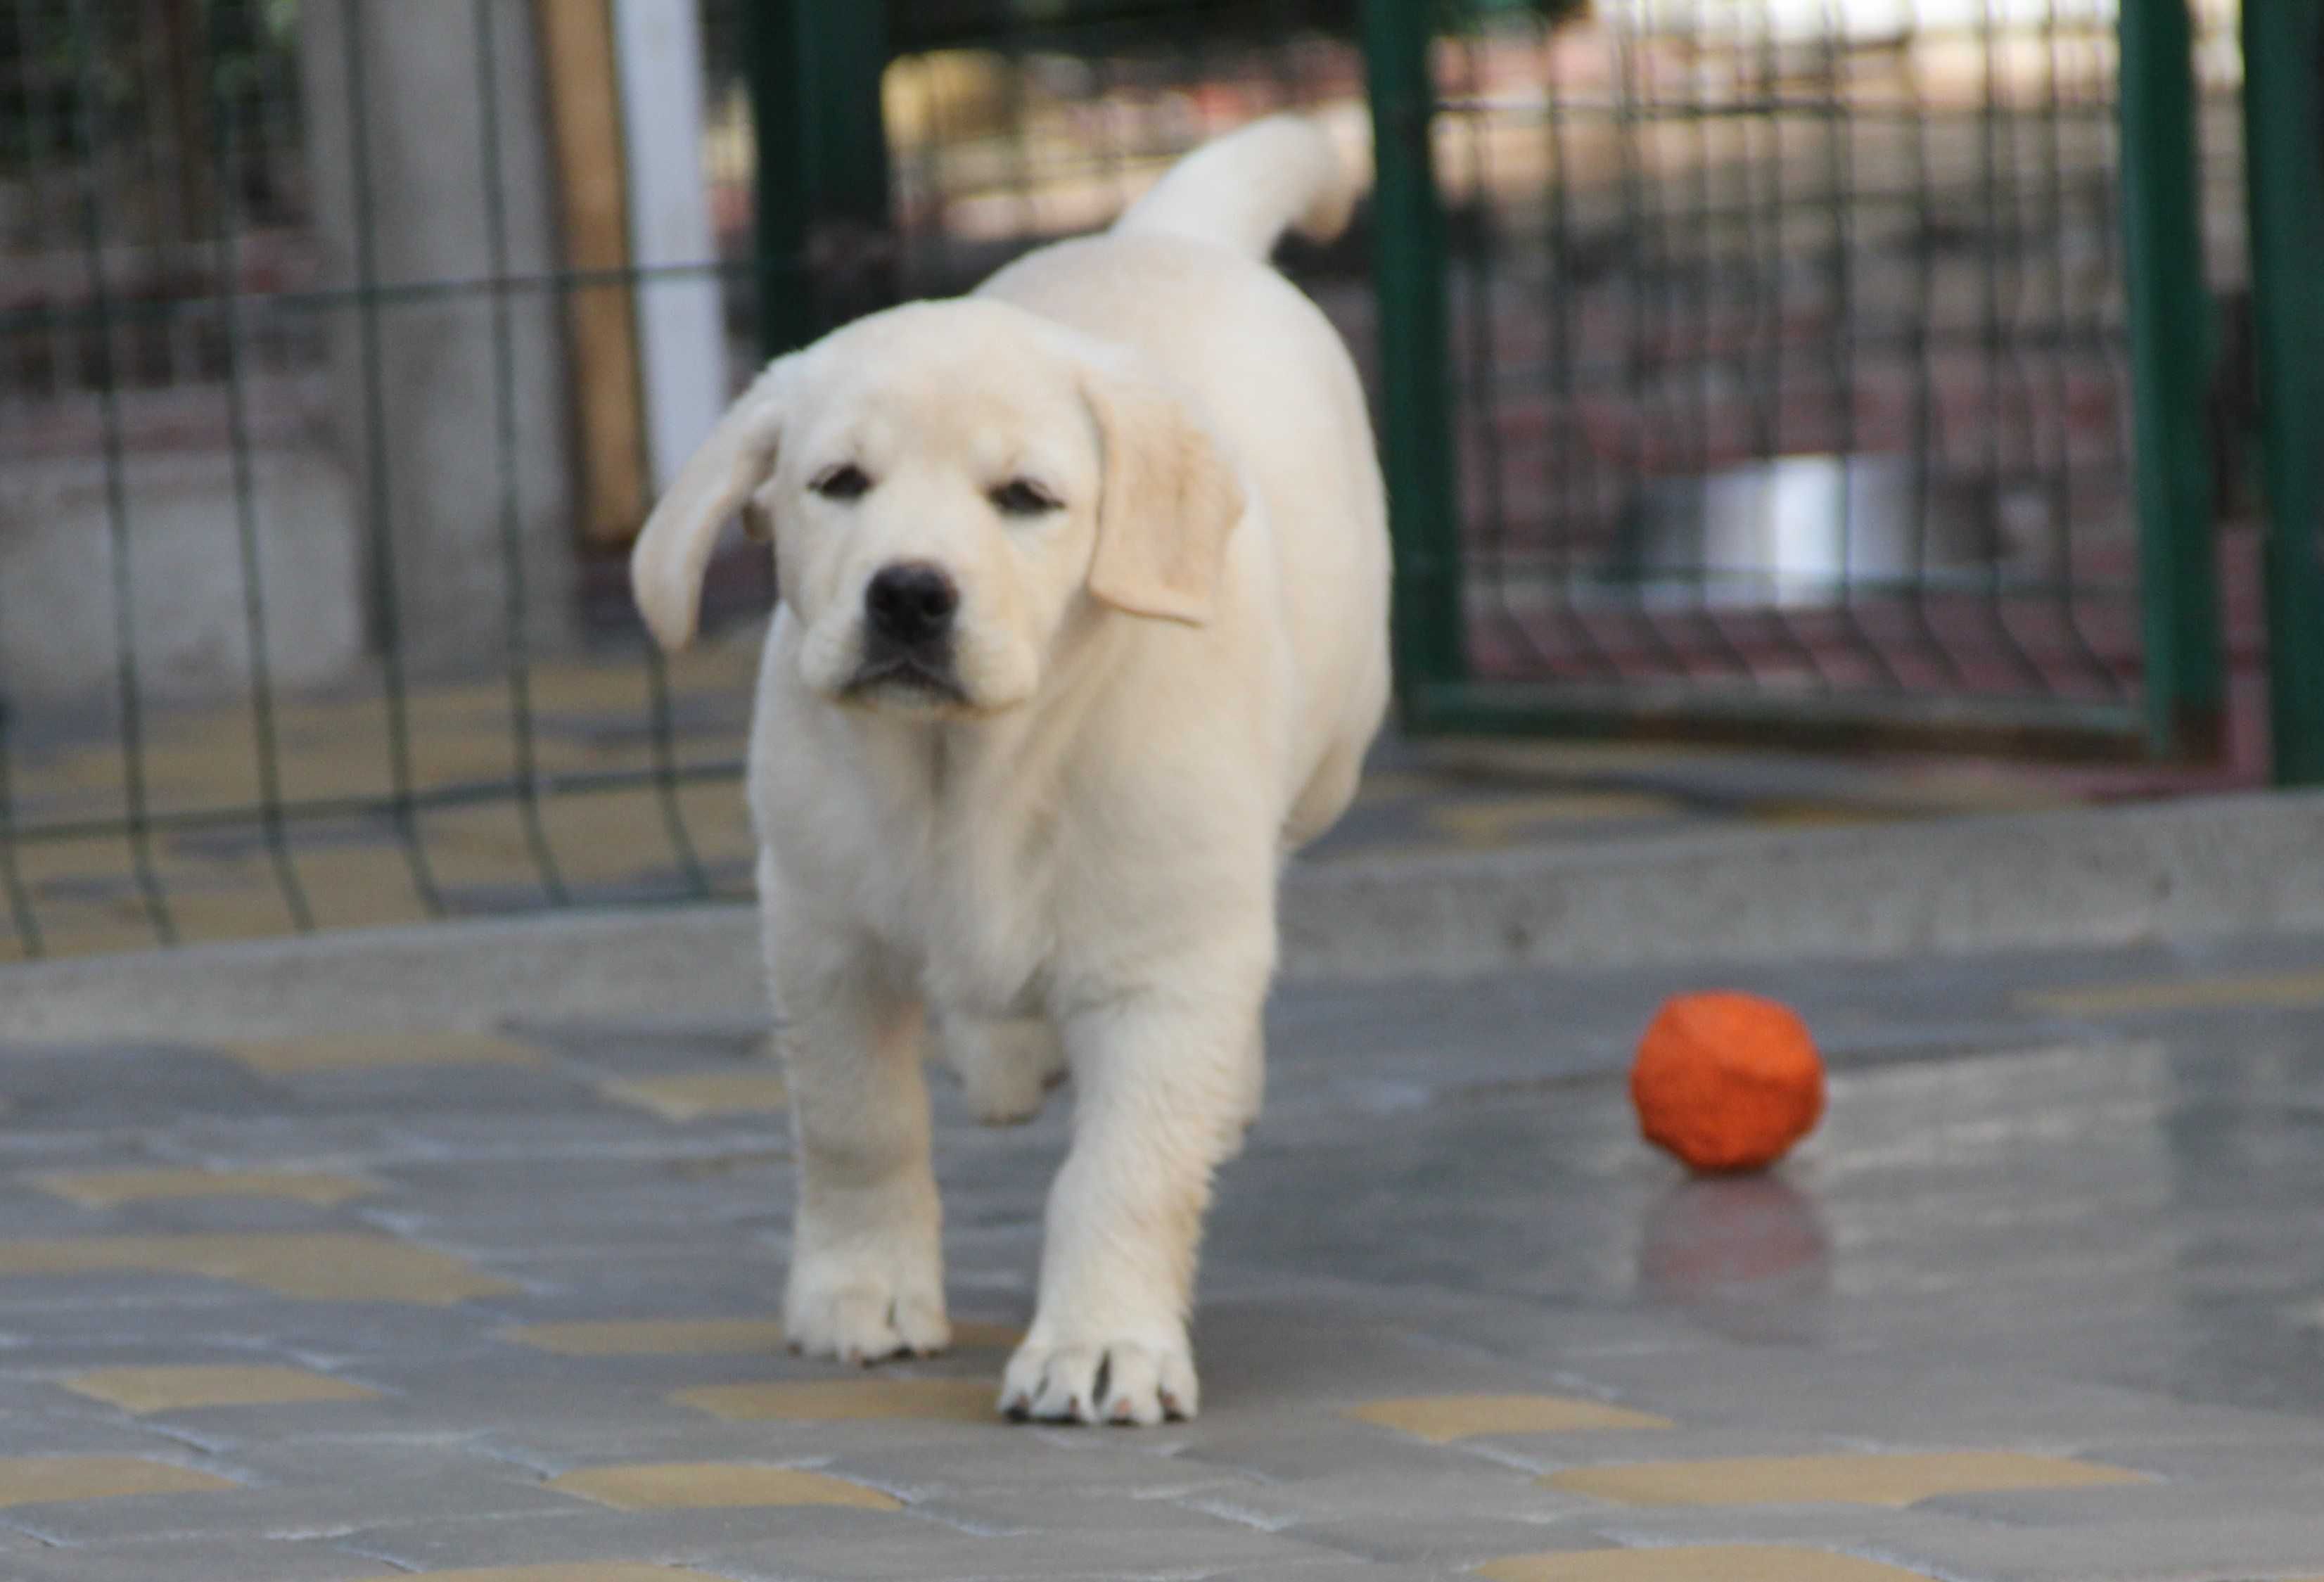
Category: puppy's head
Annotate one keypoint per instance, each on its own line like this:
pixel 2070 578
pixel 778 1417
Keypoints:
pixel 948 485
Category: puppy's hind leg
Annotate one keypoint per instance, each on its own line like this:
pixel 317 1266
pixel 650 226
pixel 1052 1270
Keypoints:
pixel 1007 1066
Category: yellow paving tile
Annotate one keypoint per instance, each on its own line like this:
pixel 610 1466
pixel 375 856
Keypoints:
pixel 493 844
pixel 357 1051
pixel 593 837
pixel 33 1480
pixel 2280 991
pixel 489 846
pixel 151 1390
pixel 85 940
pixel 111 1188
pixel 1713 1563
pixel 848 1401
pixel 619 691
pixel 1852 1480
pixel 337 761
pixel 685 1486
pixel 359 886
pixel 1499 820
pixel 1442 1419
pixel 242 897
pixel 977 1335
pixel 588 1571
pixel 709 1336
pixel 254 915
pixel 320 1267
pixel 55 872
pixel 86 900
pixel 693 1095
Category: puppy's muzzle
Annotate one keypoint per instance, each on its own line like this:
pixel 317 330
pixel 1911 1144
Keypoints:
pixel 908 610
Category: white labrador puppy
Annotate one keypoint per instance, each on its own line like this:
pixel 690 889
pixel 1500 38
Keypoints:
pixel 1084 626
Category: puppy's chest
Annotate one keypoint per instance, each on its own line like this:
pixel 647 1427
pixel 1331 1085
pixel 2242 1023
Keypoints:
pixel 966 890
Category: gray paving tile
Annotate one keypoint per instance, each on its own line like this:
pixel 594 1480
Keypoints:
pixel 1443 1545
pixel 2257 1459
pixel 1086 1512
pixel 335 1336
pixel 880 1454
pixel 1887 1399
pixel 1543 1454
pixel 192 1559
pixel 1907 1538
pixel 805 1538
pixel 1126 1554
pixel 1459 1488
pixel 1313 1448
pixel 2208 1549
pixel 2291 1492
pixel 335 1512
pixel 50 1429
pixel 290 1458
pixel 973 1464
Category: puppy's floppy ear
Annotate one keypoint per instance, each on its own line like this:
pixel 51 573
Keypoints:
pixel 673 549
pixel 1168 500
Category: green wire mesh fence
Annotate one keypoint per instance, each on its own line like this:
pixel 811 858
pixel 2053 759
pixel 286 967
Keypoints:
pixel 1797 370
pixel 341 342
pixel 333 370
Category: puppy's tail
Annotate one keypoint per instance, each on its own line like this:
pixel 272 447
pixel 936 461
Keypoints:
pixel 1245 188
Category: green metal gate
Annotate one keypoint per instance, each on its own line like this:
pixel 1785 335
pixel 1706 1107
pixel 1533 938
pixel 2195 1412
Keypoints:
pixel 1834 370
pixel 2283 49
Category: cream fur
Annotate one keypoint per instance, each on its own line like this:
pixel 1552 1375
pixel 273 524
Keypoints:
pixel 1164 685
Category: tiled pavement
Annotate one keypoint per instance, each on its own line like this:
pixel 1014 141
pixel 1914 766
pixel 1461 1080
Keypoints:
pixel 73 884
pixel 2042 1300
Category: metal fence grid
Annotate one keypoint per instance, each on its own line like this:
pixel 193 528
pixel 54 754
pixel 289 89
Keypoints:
pixel 223 709
pixel 301 624
pixel 307 616
pixel 1790 365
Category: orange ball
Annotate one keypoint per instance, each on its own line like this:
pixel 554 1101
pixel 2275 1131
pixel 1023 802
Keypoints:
pixel 1727 1081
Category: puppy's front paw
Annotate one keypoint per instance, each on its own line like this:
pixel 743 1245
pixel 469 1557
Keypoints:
pixel 1056 1377
pixel 863 1317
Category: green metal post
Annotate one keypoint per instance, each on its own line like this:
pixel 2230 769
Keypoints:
pixel 844 46
pixel 2283 119
pixel 813 71
pixel 2170 354
pixel 1417 411
pixel 773 70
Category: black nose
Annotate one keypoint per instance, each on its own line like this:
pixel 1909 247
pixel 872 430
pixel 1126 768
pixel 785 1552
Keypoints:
pixel 910 602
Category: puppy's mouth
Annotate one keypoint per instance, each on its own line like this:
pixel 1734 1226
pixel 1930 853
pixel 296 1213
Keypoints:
pixel 906 673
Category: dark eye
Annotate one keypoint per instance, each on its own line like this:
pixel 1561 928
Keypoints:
pixel 845 482
pixel 1023 498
